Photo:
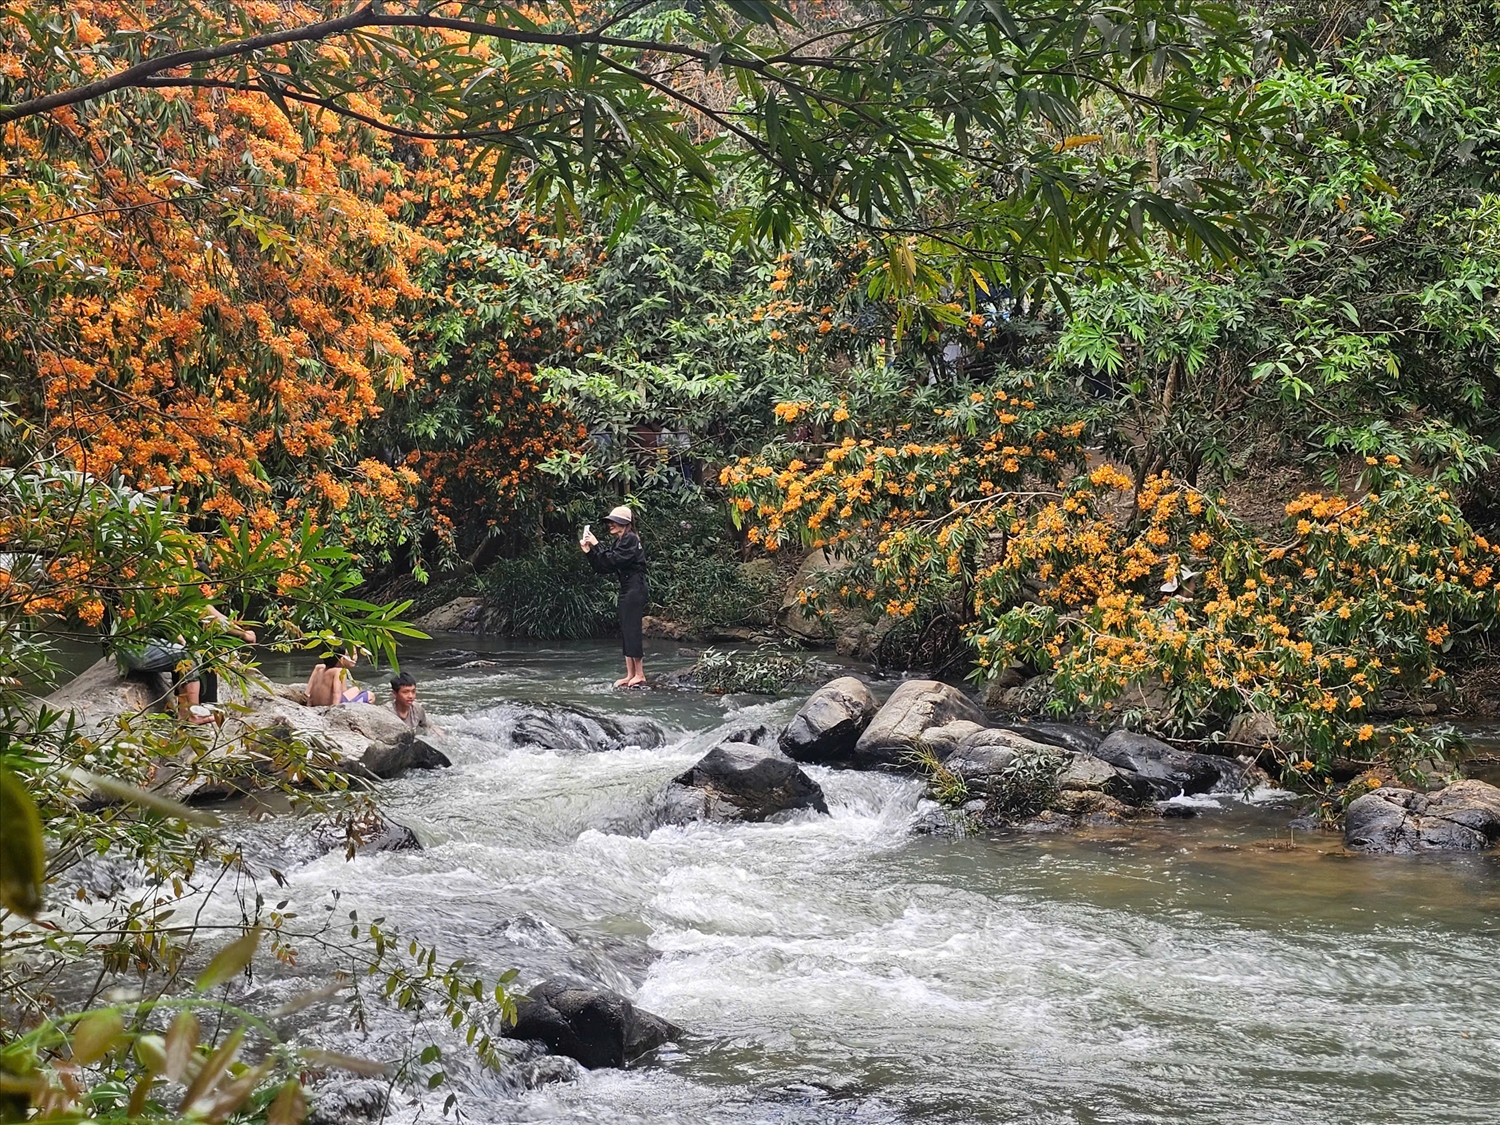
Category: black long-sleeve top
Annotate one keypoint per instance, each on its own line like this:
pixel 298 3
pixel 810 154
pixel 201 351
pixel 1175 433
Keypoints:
pixel 623 556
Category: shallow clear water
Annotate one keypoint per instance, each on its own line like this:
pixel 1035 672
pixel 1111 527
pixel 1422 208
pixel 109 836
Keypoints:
pixel 842 968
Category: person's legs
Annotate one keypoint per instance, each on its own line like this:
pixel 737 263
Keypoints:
pixel 632 610
pixel 188 694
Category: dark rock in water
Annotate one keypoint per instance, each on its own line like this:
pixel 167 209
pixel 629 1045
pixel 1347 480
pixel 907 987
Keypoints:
pixel 309 841
pixel 545 1071
pixel 594 1026
pixel 830 722
pixel 1173 811
pixel 1168 770
pixel 897 728
pixel 753 734
pixel 1070 736
pixel 934 819
pixel 407 751
pixel 347 1101
pixel 1463 817
pixel 738 782
pixel 580 729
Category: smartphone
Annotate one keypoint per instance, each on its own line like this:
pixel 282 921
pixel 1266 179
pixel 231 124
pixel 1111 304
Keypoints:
pixel 586 533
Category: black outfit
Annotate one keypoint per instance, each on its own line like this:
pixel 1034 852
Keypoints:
pixel 627 558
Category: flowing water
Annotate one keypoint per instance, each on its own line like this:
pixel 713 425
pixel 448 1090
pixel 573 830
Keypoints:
pixel 844 968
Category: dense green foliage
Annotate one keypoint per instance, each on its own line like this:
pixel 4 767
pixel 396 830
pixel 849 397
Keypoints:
pixel 1043 321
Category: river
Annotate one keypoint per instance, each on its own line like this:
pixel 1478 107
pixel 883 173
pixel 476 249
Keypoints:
pixel 843 968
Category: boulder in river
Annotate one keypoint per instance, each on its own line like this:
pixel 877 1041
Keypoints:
pixel 1070 736
pixel 738 782
pixel 828 725
pixel 580 729
pixel 898 728
pixel 407 751
pixel 1168 770
pixel 597 1027
pixel 1085 773
pixel 461 615
pixel 1463 817
pixel 361 740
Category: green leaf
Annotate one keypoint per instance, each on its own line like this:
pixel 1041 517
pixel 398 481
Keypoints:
pixel 95 1035
pixel 230 960
pixel 23 861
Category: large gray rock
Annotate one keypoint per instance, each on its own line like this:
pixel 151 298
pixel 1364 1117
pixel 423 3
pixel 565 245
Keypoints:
pixel 597 1027
pixel 1070 736
pixel 407 751
pixel 983 756
pixel 1168 770
pixel 738 782
pixel 561 727
pixel 945 740
pixel 913 709
pixel 830 722
pixel 257 720
pixel 1463 817
pixel 461 615
pixel 1085 773
pixel 801 621
pixel 101 696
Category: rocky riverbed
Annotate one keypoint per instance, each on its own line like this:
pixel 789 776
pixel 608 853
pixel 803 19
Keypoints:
pixel 746 897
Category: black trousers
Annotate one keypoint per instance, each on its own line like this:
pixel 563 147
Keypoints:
pixel 633 600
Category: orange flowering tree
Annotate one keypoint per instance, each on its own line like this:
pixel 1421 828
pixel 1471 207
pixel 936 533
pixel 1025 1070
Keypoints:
pixel 903 483
pixel 1356 606
pixel 983 508
pixel 473 423
pixel 204 291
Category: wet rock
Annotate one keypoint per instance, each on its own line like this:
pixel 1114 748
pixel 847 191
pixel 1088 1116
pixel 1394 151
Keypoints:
pixel 982 758
pixel 555 727
pixel 828 725
pixel 942 741
pixel 1086 773
pixel 754 734
pixel 408 751
pixel 1092 807
pixel 913 708
pixel 1070 736
pixel 1463 817
pixel 347 1101
pixel 596 1027
pixel 545 1071
pixel 738 782
pixel 934 819
pixel 1168 770
pixel 461 615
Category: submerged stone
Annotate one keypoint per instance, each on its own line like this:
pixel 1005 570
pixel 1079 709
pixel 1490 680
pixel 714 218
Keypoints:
pixel 596 1027
pixel 738 781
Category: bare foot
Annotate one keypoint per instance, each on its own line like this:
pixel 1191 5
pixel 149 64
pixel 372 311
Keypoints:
pixel 623 681
pixel 636 683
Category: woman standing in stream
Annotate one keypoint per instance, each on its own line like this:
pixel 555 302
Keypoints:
pixel 624 556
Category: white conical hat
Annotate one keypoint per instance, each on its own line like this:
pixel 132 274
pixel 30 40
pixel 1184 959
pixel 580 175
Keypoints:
pixel 622 514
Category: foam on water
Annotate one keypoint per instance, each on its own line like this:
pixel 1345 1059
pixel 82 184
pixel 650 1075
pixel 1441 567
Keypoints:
pixel 839 968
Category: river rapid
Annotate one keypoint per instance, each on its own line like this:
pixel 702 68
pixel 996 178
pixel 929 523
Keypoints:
pixel 846 969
